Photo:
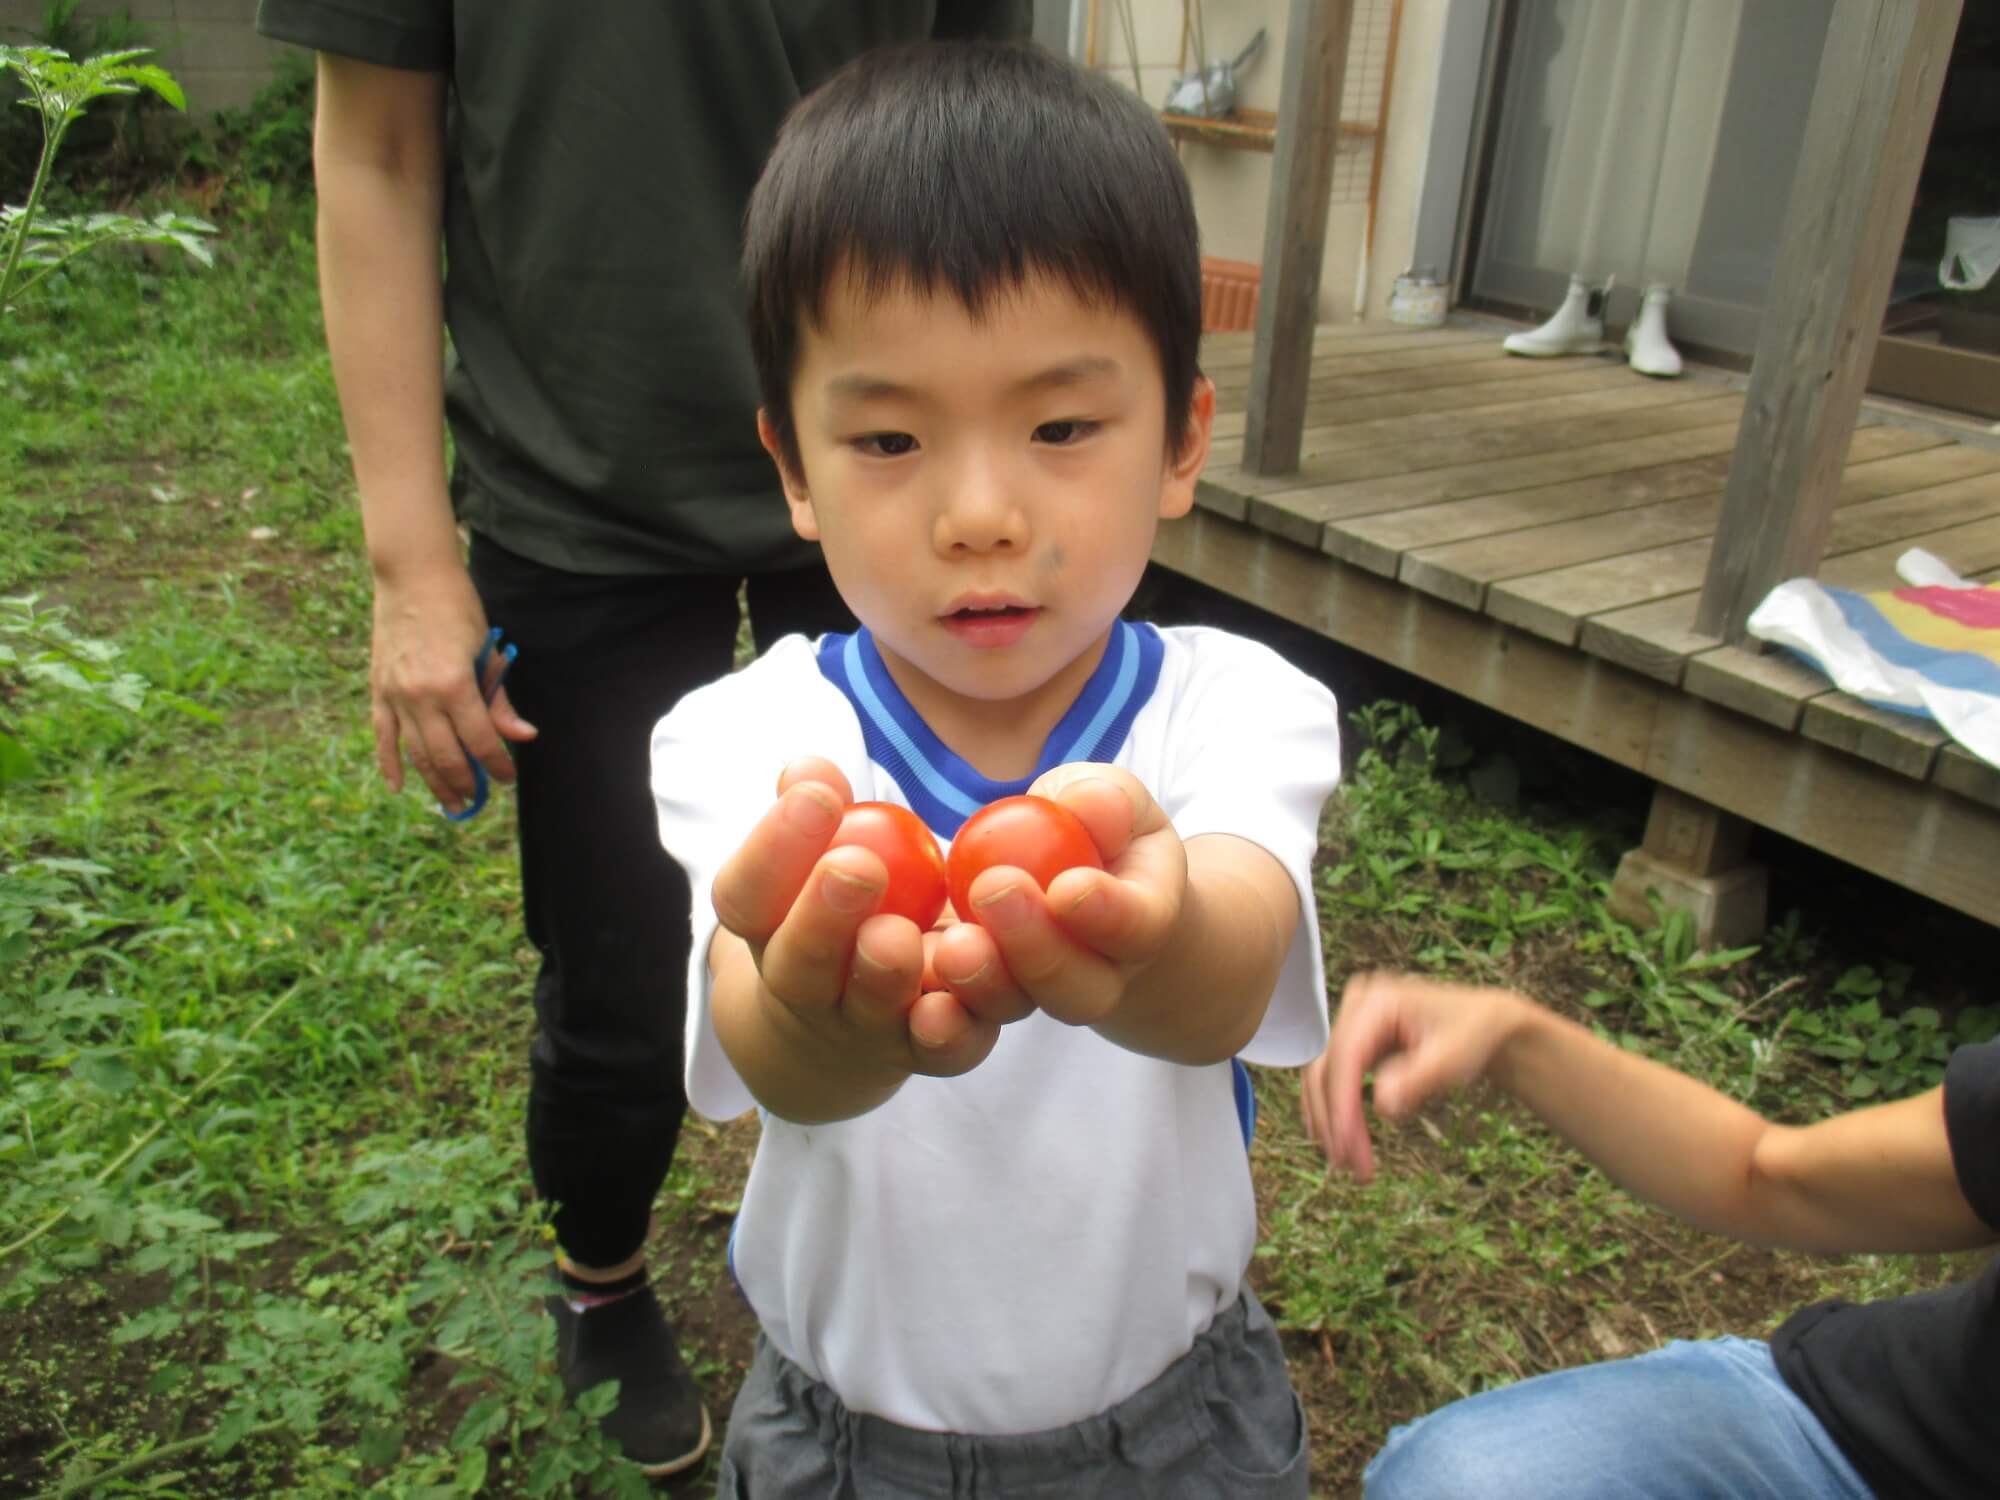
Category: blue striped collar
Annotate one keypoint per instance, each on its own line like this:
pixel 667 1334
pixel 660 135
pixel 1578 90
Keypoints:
pixel 942 789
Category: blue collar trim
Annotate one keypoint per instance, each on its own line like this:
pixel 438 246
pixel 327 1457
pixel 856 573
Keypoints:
pixel 942 789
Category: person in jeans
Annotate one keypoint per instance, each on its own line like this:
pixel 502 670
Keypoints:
pixel 1895 1400
pixel 583 169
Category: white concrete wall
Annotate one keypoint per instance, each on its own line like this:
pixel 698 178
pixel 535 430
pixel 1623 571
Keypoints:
pixel 1232 187
pixel 211 46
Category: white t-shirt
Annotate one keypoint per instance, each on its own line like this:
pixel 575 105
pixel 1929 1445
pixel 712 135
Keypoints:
pixel 1023 1246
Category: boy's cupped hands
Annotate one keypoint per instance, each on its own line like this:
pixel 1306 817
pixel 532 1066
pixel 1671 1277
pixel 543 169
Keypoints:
pixel 874 990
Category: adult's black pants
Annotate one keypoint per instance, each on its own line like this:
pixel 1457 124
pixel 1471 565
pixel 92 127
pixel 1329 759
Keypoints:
pixel 602 658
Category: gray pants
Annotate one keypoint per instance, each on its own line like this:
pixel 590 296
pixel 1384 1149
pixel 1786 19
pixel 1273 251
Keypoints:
pixel 1220 1423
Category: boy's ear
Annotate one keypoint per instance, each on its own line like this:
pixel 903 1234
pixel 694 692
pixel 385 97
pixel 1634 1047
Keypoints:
pixel 1184 466
pixel 804 522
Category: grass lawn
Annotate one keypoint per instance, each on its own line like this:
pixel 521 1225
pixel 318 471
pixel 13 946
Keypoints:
pixel 264 1223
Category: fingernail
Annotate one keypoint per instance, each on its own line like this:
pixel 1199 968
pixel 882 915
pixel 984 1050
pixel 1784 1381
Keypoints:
pixel 974 977
pixel 928 1043
pixel 1004 908
pixel 844 893
pixel 1090 894
pixel 810 810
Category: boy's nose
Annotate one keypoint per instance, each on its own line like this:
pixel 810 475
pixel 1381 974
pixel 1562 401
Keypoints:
pixel 978 515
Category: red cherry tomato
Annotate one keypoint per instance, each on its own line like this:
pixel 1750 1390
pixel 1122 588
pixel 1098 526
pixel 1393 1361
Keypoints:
pixel 1027 833
pixel 916 868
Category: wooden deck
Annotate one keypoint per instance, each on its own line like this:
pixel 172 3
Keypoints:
pixel 1534 535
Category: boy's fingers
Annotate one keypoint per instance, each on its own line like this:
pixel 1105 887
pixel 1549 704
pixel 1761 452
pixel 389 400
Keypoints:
pixel 882 980
pixel 757 885
pixel 819 769
pixel 1048 968
pixel 1124 920
pixel 807 959
pixel 945 1039
pixel 967 961
pixel 1109 801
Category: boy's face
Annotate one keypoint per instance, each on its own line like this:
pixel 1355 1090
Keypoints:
pixel 986 491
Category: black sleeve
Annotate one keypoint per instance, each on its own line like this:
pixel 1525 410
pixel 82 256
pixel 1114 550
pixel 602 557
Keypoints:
pixel 414 34
pixel 997 20
pixel 1972 1125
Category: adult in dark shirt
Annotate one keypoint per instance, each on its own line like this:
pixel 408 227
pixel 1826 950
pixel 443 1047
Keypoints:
pixel 585 169
pixel 1896 1400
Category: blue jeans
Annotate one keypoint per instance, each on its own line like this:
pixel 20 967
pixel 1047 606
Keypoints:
pixel 1692 1421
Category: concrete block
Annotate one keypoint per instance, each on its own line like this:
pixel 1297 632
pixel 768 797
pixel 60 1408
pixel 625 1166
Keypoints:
pixel 1730 908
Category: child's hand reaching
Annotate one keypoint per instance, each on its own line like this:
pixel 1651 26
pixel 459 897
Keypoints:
pixel 846 988
pixel 1425 1037
pixel 1072 950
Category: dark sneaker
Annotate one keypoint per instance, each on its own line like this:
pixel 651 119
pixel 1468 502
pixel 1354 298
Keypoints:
pixel 659 1420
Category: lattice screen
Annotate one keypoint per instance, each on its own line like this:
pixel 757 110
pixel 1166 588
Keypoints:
pixel 1146 44
pixel 1361 97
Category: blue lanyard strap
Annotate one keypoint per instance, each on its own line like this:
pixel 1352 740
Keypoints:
pixel 480 664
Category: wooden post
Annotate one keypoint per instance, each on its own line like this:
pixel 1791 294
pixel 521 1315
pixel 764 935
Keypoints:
pixel 1870 124
pixel 1295 232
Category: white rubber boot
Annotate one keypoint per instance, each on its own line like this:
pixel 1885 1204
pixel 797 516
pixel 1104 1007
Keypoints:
pixel 1576 328
pixel 1647 347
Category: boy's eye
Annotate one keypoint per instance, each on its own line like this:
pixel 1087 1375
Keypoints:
pixel 1062 434
pixel 886 444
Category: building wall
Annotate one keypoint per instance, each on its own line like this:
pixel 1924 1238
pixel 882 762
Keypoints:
pixel 1232 186
pixel 211 46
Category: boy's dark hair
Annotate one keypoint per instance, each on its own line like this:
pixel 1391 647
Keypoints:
pixel 968 167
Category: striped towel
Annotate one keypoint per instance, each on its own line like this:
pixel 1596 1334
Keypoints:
pixel 1931 649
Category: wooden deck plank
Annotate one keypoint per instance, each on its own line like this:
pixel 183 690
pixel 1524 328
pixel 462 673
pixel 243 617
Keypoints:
pixel 1364 339
pixel 1380 457
pixel 1316 506
pixel 1771 686
pixel 1883 461
pixel 1237 344
pixel 1555 604
pixel 1381 542
pixel 1865 541
pixel 1839 803
pixel 1469 399
pixel 1346 430
pixel 1386 374
pixel 1960 771
pixel 1967 547
pixel 1903 743
pixel 1655 639
pixel 1372 354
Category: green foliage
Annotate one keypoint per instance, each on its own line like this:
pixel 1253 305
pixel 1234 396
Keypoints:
pixel 1477 888
pixel 1887 1053
pixel 270 139
pixel 35 245
pixel 260 1053
pixel 39 653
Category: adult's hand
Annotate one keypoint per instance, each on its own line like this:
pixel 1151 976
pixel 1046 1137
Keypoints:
pixel 423 699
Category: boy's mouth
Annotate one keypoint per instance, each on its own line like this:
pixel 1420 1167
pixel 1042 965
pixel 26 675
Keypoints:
pixel 989 620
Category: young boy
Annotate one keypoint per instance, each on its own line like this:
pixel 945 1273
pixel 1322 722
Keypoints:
pixel 1846 1402
pixel 997 1226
